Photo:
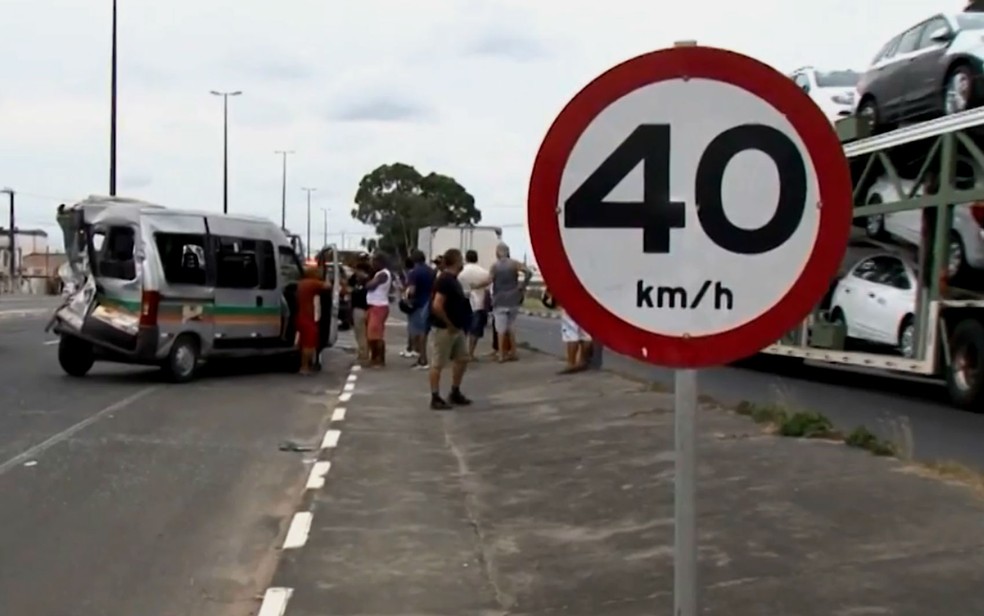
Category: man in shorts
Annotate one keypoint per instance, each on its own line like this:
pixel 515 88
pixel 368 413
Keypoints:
pixel 450 316
pixel 475 281
pixel 507 296
pixel 420 283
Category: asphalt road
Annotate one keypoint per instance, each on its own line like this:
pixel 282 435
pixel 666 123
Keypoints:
pixel 913 411
pixel 120 494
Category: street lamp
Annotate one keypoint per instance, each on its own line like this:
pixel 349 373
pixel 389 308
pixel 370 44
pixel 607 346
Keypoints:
pixel 112 114
pixel 324 212
pixel 283 189
pixel 12 235
pixel 309 191
pixel 225 145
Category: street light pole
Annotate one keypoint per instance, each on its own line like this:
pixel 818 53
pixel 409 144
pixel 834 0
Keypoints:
pixel 283 189
pixel 225 145
pixel 309 191
pixel 12 238
pixel 112 114
pixel 324 212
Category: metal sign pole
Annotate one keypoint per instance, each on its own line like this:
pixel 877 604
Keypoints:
pixel 684 493
pixel 685 483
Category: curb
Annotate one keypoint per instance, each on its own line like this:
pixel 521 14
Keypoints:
pixel 275 598
pixel 542 314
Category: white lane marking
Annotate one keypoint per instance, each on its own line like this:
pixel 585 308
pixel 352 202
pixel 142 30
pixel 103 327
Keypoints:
pixel 356 368
pixel 352 378
pixel 275 601
pixel 50 342
pixel 316 480
pixel 331 439
pixel 300 526
pixel 338 414
pixel 36 450
pixel 349 387
pixel 345 396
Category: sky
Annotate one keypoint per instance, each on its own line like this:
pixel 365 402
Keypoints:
pixel 466 88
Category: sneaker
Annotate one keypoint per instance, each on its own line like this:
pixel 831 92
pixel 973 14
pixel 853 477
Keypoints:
pixel 404 353
pixel 458 399
pixel 420 367
pixel 413 354
pixel 438 404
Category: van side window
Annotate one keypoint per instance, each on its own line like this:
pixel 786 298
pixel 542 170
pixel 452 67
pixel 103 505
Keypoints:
pixel 290 267
pixel 236 263
pixel 113 253
pixel 182 257
pixel 268 265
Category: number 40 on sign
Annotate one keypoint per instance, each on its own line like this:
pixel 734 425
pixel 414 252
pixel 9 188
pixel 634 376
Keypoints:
pixel 689 206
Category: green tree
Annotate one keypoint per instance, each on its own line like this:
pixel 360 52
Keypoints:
pixel 397 201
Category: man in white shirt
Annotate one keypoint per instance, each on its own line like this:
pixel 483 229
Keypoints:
pixel 475 280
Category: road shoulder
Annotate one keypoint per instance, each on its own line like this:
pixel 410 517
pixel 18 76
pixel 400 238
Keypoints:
pixel 555 494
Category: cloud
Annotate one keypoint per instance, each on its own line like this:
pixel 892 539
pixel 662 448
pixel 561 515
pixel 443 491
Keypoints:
pixel 269 65
pixel 136 181
pixel 379 108
pixel 511 46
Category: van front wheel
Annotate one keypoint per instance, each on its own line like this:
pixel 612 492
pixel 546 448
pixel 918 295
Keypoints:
pixel 75 356
pixel 182 362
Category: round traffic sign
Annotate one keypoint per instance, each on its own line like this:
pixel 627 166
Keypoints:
pixel 689 207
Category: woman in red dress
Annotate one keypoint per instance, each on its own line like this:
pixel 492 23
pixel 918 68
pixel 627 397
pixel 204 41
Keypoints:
pixel 308 308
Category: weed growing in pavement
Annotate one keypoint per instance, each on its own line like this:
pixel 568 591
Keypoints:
pixel 810 424
pixel 862 438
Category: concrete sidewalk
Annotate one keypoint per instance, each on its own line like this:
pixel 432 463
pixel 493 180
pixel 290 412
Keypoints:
pixel 554 495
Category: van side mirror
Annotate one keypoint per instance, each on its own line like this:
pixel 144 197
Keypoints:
pixel 941 35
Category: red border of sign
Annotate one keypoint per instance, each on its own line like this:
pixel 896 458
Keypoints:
pixel 827 158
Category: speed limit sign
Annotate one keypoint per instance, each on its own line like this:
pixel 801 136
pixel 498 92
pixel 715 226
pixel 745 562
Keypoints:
pixel 689 206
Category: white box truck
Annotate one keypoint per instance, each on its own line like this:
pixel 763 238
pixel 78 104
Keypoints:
pixel 434 241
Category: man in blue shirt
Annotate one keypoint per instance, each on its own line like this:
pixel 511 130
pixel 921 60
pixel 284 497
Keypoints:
pixel 420 284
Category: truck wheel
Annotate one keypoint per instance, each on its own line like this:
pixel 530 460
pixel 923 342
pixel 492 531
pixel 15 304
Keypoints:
pixel 965 372
pixel 75 356
pixel 181 365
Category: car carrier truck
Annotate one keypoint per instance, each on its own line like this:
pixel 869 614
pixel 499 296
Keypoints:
pixel 896 306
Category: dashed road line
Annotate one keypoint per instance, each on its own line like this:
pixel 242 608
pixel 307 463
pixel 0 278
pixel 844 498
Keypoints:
pixel 316 480
pixel 275 601
pixel 275 598
pixel 331 439
pixel 300 528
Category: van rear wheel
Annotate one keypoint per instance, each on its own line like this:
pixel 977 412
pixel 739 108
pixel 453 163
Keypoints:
pixel 182 362
pixel 75 356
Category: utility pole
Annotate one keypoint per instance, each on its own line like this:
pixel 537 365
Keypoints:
pixel 283 189
pixel 12 239
pixel 324 212
pixel 112 113
pixel 225 146
pixel 309 191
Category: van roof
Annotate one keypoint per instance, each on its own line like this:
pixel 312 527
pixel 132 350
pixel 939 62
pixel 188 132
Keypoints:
pixel 158 210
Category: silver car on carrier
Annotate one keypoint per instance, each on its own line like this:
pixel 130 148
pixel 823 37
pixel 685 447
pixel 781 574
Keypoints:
pixel 173 288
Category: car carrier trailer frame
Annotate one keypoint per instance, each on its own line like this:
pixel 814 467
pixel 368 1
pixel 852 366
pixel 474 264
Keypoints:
pixel 949 322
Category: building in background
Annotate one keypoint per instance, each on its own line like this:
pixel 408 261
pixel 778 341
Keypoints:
pixel 35 264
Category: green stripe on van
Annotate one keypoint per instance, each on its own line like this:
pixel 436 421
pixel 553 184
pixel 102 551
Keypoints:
pixel 218 310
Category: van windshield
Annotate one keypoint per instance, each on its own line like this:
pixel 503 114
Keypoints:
pixel 112 253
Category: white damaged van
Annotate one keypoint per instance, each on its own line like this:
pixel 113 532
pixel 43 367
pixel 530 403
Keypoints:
pixel 173 288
